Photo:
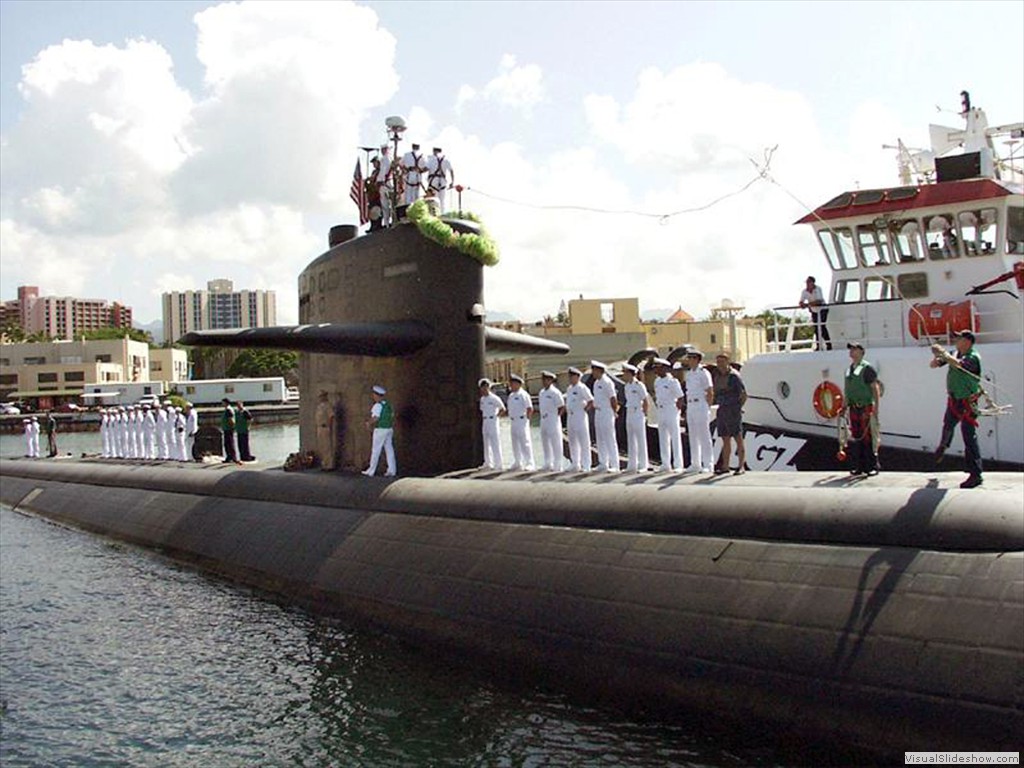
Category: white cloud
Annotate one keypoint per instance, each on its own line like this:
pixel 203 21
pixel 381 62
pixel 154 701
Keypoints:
pixel 515 86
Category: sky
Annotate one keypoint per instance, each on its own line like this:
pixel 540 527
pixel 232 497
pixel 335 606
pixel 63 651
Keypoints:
pixel 153 146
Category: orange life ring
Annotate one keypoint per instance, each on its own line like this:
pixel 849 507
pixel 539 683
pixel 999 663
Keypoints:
pixel 828 400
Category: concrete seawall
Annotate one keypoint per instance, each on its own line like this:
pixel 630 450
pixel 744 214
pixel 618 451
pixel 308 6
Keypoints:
pixel 889 614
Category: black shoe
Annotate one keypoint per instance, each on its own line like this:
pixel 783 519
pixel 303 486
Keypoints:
pixel 855 473
pixel 972 481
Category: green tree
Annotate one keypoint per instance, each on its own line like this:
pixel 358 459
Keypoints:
pixel 254 363
pixel 119 333
pixel 13 331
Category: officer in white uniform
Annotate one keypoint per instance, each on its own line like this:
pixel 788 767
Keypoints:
pixel 148 433
pixel 169 434
pixel 491 408
pixel 413 166
pixel 27 426
pixel 668 397
pixel 700 393
pixel 179 434
pixel 578 402
pixel 520 409
pixel 606 405
pixel 191 428
pixel 33 451
pixel 134 427
pixel 122 433
pixel 552 406
pixel 385 186
pixel 636 420
pixel 382 422
pixel 440 176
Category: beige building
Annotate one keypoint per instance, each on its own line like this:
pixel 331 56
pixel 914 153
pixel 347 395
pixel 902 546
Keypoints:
pixel 742 338
pixel 57 371
pixel 168 364
pixel 219 306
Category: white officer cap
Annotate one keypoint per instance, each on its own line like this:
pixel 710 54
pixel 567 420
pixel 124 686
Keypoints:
pixel 516 377
pixel 629 367
pixel 379 389
pixel 550 375
pixel 575 372
pixel 484 383
pixel 676 365
pixel 597 364
pixel 661 361
pixel 694 352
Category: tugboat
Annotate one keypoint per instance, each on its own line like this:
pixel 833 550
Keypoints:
pixel 910 265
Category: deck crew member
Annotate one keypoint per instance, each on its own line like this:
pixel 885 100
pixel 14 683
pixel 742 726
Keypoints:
pixel 552 406
pixel 636 420
pixel 440 176
pixel 668 397
pixel 227 428
pixel 700 394
pixel 606 405
pixel 191 430
pixel 382 422
pixel 811 298
pixel 578 402
pixel 730 397
pixel 963 384
pixel 51 434
pixel 520 409
pixel 326 433
pixel 413 165
pixel 491 408
pixel 861 393
pixel 243 418
pixel 384 186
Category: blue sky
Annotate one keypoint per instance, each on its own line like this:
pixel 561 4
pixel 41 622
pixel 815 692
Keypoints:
pixel 191 140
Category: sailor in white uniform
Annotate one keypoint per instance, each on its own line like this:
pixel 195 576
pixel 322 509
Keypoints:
pixel 700 394
pixel 148 433
pixel 520 409
pixel 552 406
pixel 122 433
pixel 413 166
pixel 191 428
pixel 578 402
pixel 134 432
pixel 668 397
pixel 491 408
pixel 636 420
pixel 385 185
pixel 36 429
pixel 606 405
pixel 161 433
pixel 382 422
pixel 179 434
pixel 440 176
pixel 27 426
pixel 168 424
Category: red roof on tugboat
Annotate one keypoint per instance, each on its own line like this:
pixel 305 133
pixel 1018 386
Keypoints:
pixel 862 202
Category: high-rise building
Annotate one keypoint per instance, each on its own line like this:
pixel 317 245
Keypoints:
pixel 219 306
pixel 62 317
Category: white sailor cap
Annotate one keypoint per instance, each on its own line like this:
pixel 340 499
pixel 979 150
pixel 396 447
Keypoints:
pixel 629 367
pixel 676 365
pixel 550 375
pixel 575 372
pixel 377 388
pixel 661 361
pixel 516 377
pixel 597 364
pixel 694 352
pixel 484 383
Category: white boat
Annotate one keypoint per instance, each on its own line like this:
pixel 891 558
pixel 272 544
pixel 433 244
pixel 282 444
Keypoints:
pixel 910 265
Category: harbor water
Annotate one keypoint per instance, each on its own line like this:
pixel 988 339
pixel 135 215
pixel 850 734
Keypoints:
pixel 112 655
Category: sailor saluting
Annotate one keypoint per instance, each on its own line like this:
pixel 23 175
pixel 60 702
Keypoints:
pixel 963 384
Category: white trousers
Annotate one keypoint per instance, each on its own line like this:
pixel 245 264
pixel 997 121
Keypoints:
pixel 670 440
pixel 28 445
pixel 190 443
pixel 385 205
pixel 162 438
pixel 179 442
pixel 607 445
pixel 492 444
pixel 34 450
pixel 411 194
pixel 636 439
pixel 149 444
pixel 522 446
pixel 551 441
pixel 579 442
pixel 698 425
pixel 383 439
pixel 440 195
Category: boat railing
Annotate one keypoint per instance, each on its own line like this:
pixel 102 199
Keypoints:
pixel 884 323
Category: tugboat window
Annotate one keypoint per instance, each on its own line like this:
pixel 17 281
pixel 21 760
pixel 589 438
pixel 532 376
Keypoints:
pixel 838 246
pixel 979 231
pixel 846 292
pixel 1015 230
pixel 878 288
pixel 905 240
pixel 913 285
pixel 874 245
pixel 940 233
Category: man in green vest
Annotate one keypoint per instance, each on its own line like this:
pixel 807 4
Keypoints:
pixel 382 422
pixel 963 383
pixel 243 418
pixel 860 403
pixel 227 428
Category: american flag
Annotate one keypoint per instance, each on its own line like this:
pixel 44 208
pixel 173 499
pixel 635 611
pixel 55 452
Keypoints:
pixel 358 195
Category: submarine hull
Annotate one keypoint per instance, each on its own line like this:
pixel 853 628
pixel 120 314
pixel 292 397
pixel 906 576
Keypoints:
pixel 887 615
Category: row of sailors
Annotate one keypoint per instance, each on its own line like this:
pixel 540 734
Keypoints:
pixel 413 174
pixel 578 400
pixel 149 432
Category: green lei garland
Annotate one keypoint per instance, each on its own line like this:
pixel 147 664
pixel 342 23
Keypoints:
pixel 481 247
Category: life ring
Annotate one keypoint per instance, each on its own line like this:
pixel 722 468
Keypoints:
pixel 828 400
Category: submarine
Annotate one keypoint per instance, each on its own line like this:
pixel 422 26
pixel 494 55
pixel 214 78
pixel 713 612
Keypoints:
pixel 883 612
